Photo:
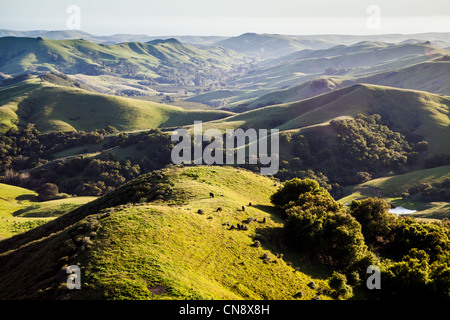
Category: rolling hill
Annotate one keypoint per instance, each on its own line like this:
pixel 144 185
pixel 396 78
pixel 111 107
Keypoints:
pixel 391 188
pixel 303 74
pixel 54 107
pixel 430 76
pixel 111 39
pixel 20 211
pixel 164 61
pixel 266 46
pixel 359 59
pixel 159 247
pixel 408 111
pixel 332 39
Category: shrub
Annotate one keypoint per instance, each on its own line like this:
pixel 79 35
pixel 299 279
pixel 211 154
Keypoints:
pixel 292 189
pixel 375 219
pixel 47 191
pixel 338 282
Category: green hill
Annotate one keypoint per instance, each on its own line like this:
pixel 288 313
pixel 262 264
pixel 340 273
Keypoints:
pixel 269 45
pixel 408 111
pixel 164 61
pixel 53 107
pixel 430 76
pixel 20 211
pixel 146 240
pixel 392 188
pixel 346 62
pixel 362 54
pixel 305 90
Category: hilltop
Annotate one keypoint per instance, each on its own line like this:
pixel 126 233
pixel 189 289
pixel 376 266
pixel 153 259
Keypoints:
pixel 168 250
pixel 266 46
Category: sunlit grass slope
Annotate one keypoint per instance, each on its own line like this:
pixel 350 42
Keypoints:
pixel 148 240
pixel 58 108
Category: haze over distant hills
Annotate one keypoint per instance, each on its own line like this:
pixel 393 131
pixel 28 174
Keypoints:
pixel 244 42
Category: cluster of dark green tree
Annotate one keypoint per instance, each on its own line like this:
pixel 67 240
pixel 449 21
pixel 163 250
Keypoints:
pixel 428 192
pixel 358 150
pixel 25 147
pixel 27 159
pixel 414 257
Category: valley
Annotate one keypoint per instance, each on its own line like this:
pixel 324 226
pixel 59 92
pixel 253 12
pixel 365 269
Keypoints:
pixel 86 174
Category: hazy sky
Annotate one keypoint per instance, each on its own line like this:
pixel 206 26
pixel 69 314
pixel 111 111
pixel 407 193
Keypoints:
pixel 230 17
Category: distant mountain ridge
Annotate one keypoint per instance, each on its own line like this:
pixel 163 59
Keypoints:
pixel 441 39
pixel 164 61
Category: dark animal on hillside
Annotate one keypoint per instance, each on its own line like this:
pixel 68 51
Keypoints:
pixel 211 195
pixel 243 208
pixel 219 209
pixel 249 204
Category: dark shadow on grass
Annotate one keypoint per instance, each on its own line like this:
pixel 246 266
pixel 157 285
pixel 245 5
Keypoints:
pixel 273 240
pixel 29 197
pixel 268 209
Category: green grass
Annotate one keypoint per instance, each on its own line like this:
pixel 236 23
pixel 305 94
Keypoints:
pixel 408 111
pixel 165 249
pixel 52 208
pixel 391 188
pixel 394 186
pixel 20 211
pixel 430 76
pixel 130 59
pixel 193 255
pixel 56 108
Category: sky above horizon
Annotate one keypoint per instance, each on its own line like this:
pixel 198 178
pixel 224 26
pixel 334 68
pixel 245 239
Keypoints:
pixel 228 18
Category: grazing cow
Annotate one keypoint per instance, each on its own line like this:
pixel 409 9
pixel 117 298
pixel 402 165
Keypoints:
pixel 211 195
pixel 219 209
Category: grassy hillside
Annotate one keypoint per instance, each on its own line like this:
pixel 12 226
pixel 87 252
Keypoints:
pixel 269 45
pixel 408 111
pixel 158 246
pixel 20 211
pixel 165 61
pixel 391 188
pixel 346 62
pixel 358 55
pixel 305 90
pixel 430 76
pixel 52 107
pixel 395 185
